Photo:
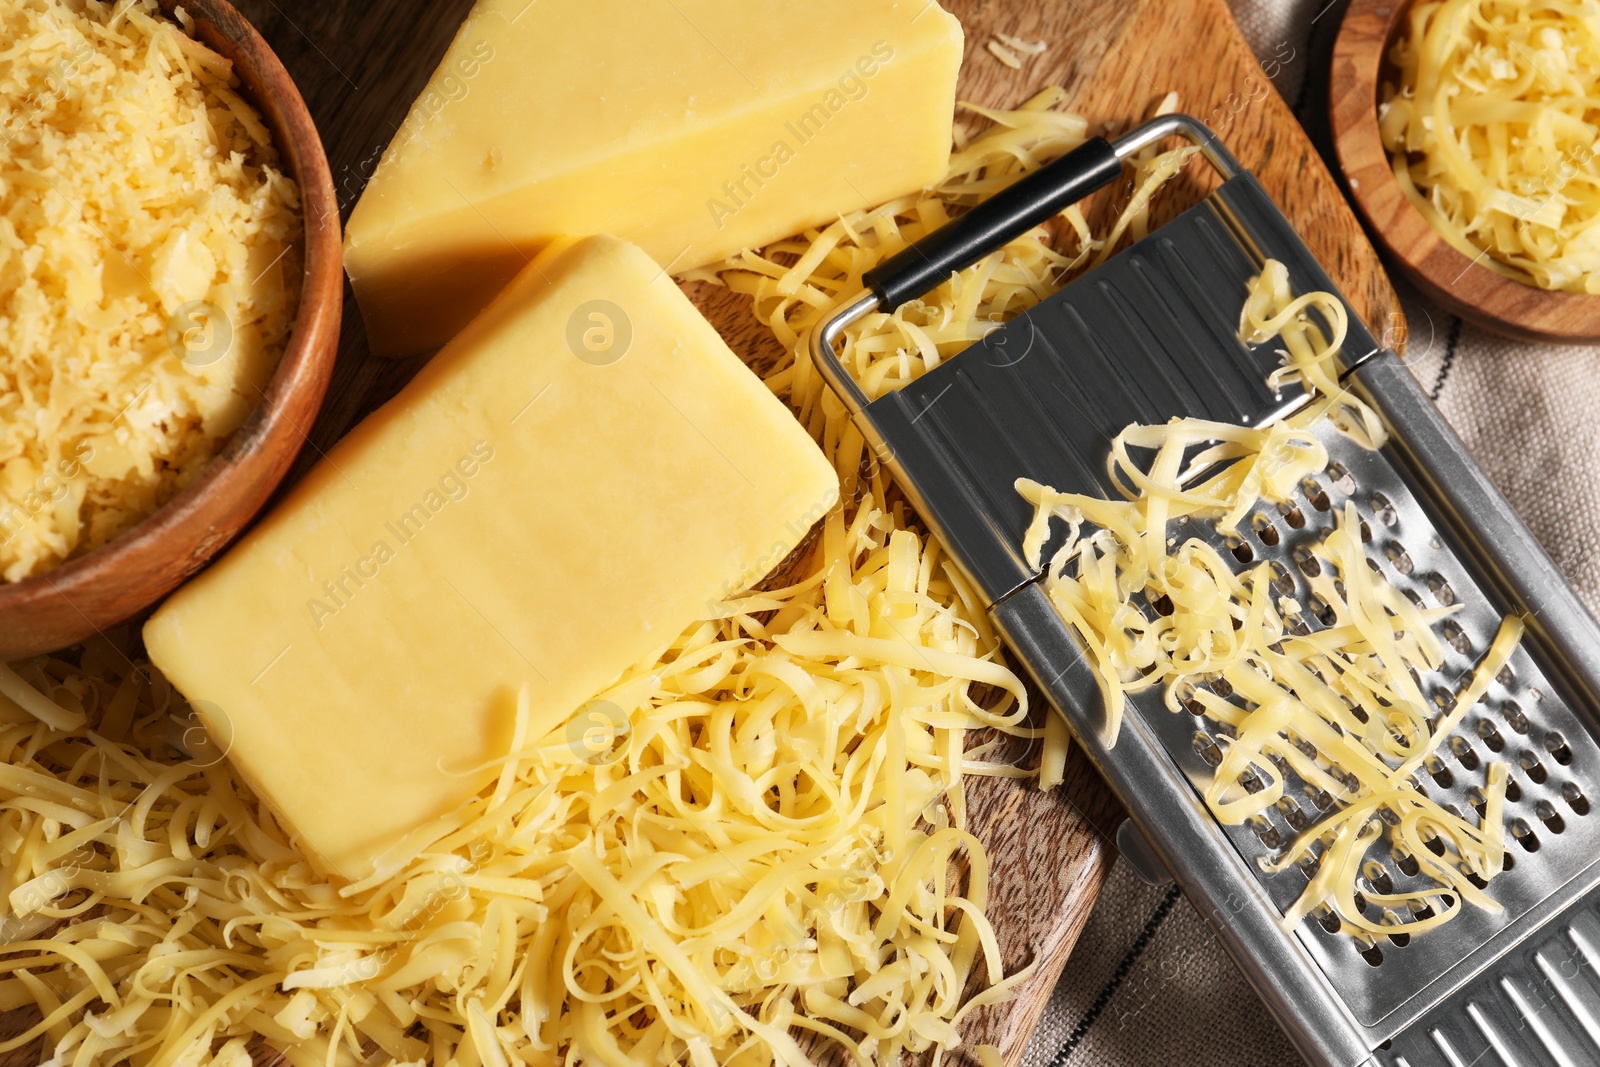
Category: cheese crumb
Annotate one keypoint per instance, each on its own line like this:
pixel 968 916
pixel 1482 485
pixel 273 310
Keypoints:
pixel 1004 55
pixel 1008 48
pixel 1017 44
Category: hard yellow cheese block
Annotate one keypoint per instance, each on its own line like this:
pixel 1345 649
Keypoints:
pixel 581 474
pixel 694 128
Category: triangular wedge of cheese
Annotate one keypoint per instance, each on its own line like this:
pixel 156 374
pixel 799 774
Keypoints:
pixel 693 128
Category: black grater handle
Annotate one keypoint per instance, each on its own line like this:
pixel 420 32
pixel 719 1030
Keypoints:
pixel 962 242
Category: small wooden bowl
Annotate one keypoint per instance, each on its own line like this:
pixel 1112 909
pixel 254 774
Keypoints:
pixel 114 582
pixel 1464 287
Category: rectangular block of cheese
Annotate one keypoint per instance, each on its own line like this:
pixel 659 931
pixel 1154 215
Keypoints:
pixel 579 476
pixel 694 128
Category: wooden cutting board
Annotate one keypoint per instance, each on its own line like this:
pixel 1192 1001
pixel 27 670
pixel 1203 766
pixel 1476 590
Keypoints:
pixel 360 63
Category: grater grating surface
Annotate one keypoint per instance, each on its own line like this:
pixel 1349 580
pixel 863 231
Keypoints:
pixel 1523 720
pixel 1151 335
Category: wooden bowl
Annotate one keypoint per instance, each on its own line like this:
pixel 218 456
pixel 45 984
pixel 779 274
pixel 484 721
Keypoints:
pixel 114 582
pixel 1463 286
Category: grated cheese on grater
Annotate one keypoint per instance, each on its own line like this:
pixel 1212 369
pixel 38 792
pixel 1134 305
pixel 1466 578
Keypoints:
pixel 1346 692
pixel 148 269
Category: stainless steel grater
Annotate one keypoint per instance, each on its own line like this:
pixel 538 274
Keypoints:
pixel 1152 334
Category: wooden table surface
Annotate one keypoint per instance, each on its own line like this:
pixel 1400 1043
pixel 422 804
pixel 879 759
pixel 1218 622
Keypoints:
pixel 360 63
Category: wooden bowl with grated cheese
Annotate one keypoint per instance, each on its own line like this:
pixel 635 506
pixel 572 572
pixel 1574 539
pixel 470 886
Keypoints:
pixel 54 607
pixel 1471 286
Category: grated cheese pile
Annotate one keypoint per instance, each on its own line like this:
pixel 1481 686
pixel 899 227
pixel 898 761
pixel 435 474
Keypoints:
pixel 1339 705
pixel 769 845
pixel 1493 132
pixel 754 849
pixel 148 269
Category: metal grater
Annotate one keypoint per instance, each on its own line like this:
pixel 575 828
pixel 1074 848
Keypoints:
pixel 1152 334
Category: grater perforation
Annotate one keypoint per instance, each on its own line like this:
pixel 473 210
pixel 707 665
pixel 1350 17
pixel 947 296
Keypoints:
pixel 1149 335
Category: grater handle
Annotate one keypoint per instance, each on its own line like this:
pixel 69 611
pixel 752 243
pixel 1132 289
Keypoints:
pixel 963 242
pixel 1040 196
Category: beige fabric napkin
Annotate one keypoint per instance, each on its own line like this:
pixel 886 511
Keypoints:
pixel 1147 983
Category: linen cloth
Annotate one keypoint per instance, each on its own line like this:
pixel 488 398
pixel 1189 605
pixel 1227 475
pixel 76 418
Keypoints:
pixel 1148 983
